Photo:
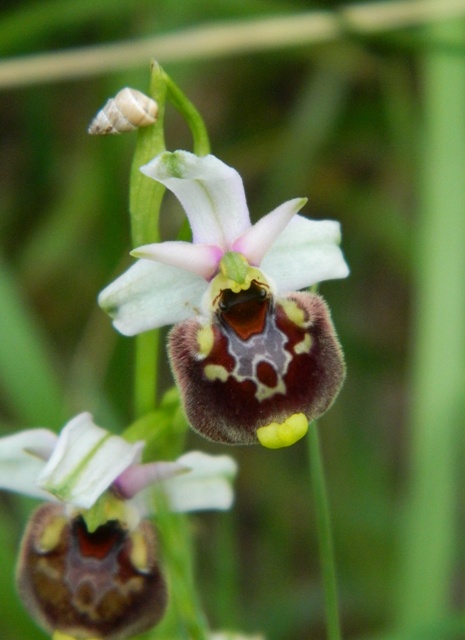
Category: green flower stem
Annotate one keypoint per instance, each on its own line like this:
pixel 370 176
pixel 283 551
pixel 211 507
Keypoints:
pixel 145 199
pixel 201 143
pixel 192 117
pixel 146 195
pixel 177 553
pixel 146 373
pixel 324 535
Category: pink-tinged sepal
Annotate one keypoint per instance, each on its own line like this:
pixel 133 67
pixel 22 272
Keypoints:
pixel 106 584
pixel 259 361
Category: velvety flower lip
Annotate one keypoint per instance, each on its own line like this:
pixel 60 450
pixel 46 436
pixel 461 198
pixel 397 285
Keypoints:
pixel 83 461
pixel 168 282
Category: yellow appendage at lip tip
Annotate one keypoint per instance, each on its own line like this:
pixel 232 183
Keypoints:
pixel 277 435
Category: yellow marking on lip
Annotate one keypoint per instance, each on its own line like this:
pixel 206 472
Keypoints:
pixel 304 346
pixel 139 553
pixel 205 340
pixel 278 435
pixel 216 372
pixel 51 534
pixel 264 392
pixel 294 312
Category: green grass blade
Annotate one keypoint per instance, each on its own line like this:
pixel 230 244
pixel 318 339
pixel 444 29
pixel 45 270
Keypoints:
pixel 27 376
pixel 438 374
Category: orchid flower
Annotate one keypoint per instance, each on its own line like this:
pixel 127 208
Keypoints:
pixel 84 461
pixel 88 563
pixel 254 360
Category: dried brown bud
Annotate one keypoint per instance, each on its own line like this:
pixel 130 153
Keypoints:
pixel 105 584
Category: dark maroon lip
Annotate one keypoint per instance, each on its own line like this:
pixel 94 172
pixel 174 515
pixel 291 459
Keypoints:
pixel 87 584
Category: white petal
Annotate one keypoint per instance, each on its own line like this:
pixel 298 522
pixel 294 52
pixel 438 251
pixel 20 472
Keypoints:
pixel 306 252
pixel 85 461
pixel 256 241
pixel 210 191
pixel 150 295
pixel 201 259
pixel 206 486
pixel 139 476
pixel 22 458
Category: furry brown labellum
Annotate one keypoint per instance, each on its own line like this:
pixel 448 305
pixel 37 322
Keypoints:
pixel 128 110
pixel 106 584
pixel 259 361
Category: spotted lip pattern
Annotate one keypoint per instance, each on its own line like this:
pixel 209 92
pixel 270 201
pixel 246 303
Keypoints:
pixel 87 584
pixel 238 396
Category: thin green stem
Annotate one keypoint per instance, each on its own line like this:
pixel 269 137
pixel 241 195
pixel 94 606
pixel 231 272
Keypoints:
pixel 200 140
pixel 145 194
pixel 324 535
pixel 177 552
pixel 144 204
pixel 146 372
pixel 192 117
pixel 145 201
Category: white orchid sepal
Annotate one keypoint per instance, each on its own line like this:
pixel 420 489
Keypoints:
pixel 85 461
pixel 206 486
pixel 22 459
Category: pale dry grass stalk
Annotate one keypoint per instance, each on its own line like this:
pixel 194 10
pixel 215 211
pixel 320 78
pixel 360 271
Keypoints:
pixel 229 38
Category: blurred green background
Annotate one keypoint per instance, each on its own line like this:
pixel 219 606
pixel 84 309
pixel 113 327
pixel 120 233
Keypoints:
pixel 372 130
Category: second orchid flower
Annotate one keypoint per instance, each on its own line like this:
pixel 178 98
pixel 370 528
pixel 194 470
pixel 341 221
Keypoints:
pixel 89 564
